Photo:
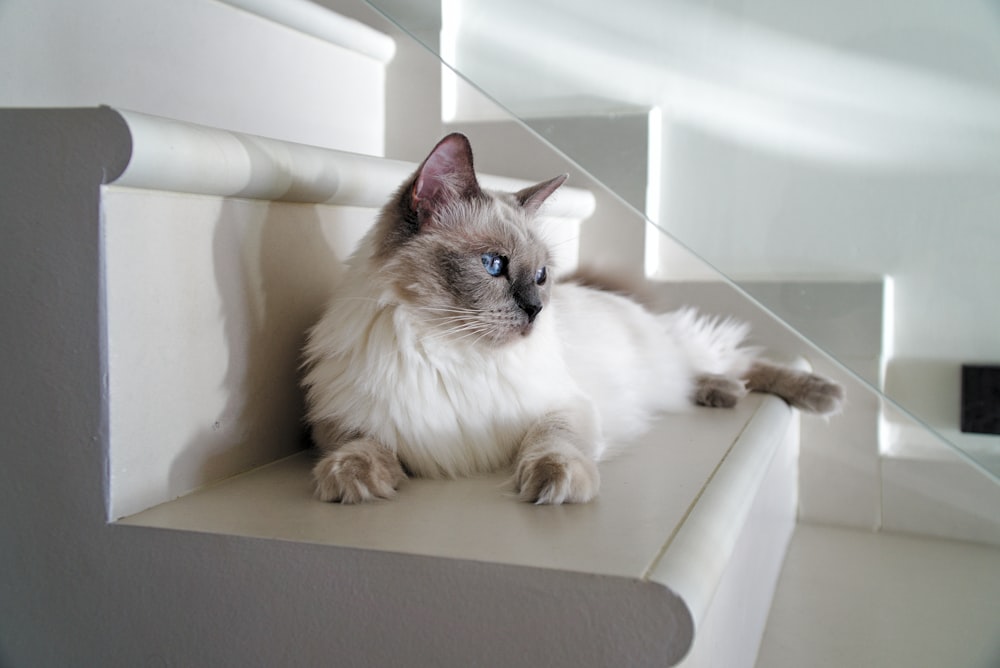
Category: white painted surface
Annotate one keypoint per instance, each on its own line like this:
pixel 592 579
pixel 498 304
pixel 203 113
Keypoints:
pixel 929 231
pixel 729 634
pixel 184 157
pixel 312 19
pixel 196 60
pixel 208 300
pixel 840 476
pixel 646 494
pixel 724 70
pixel 840 480
pixel 705 544
pixel 848 598
pixel 943 497
pixel 681 513
pixel 413 77
pixel 79 590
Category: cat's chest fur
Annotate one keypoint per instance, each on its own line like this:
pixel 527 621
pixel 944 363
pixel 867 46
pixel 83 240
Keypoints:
pixel 447 408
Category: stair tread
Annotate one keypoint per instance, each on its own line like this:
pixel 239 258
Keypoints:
pixel 853 598
pixel 646 494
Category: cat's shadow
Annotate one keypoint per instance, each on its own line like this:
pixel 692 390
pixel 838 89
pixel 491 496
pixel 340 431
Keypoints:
pixel 273 268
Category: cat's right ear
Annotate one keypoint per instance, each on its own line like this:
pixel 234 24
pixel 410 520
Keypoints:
pixel 445 176
pixel 532 197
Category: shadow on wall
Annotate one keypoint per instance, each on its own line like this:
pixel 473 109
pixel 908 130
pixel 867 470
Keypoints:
pixel 274 268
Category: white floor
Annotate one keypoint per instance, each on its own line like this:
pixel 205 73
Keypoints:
pixel 849 599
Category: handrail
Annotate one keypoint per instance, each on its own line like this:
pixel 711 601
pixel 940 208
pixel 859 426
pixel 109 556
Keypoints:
pixel 185 157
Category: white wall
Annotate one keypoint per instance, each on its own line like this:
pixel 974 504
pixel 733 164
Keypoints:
pixel 217 64
pixel 934 232
pixel 799 139
pixel 196 60
pixel 928 220
pixel 413 77
pixel 208 302
pixel 76 590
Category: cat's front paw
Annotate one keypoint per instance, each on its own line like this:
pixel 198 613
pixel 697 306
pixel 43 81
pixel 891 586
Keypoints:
pixel 556 477
pixel 359 471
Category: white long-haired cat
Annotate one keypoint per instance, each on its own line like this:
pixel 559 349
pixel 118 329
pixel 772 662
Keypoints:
pixel 450 349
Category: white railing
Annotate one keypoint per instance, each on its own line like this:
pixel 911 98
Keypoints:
pixel 184 157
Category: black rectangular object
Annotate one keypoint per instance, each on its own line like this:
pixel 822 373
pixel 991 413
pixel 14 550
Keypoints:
pixel 980 399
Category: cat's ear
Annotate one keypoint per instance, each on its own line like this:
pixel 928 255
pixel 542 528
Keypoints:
pixel 532 197
pixel 445 175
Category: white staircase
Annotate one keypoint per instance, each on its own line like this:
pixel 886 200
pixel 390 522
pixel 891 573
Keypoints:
pixel 213 252
pixel 161 262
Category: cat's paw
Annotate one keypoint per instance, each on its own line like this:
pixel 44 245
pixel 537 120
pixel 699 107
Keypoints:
pixel 358 471
pixel 718 391
pixel 556 477
pixel 819 395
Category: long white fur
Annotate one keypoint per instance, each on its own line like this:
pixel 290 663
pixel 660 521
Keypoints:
pixel 450 408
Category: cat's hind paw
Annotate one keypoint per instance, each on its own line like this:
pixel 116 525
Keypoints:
pixel 803 390
pixel 358 471
pixel 819 395
pixel 553 478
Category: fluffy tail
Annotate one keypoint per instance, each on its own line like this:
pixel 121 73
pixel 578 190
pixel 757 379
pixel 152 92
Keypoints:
pixel 714 346
pixel 725 368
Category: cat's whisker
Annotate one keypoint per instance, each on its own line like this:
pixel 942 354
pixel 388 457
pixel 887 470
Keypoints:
pixel 479 330
pixel 449 310
pixel 461 327
pixel 458 315
pixel 450 324
pixel 465 332
pixel 481 337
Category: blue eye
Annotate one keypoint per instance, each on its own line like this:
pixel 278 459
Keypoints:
pixel 496 265
pixel 541 276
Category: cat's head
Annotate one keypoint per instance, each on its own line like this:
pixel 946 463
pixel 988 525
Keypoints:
pixel 468 262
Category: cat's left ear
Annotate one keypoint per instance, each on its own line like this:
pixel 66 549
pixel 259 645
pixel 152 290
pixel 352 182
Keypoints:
pixel 444 176
pixel 532 197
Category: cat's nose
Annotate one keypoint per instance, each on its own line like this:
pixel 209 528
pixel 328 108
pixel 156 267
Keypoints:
pixel 531 309
pixel 529 301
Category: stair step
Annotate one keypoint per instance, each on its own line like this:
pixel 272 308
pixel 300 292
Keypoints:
pixel 674 557
pixel 688 533
pixel 855 598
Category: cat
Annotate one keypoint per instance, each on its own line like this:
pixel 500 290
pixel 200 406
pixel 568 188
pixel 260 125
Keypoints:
pixel 451 348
